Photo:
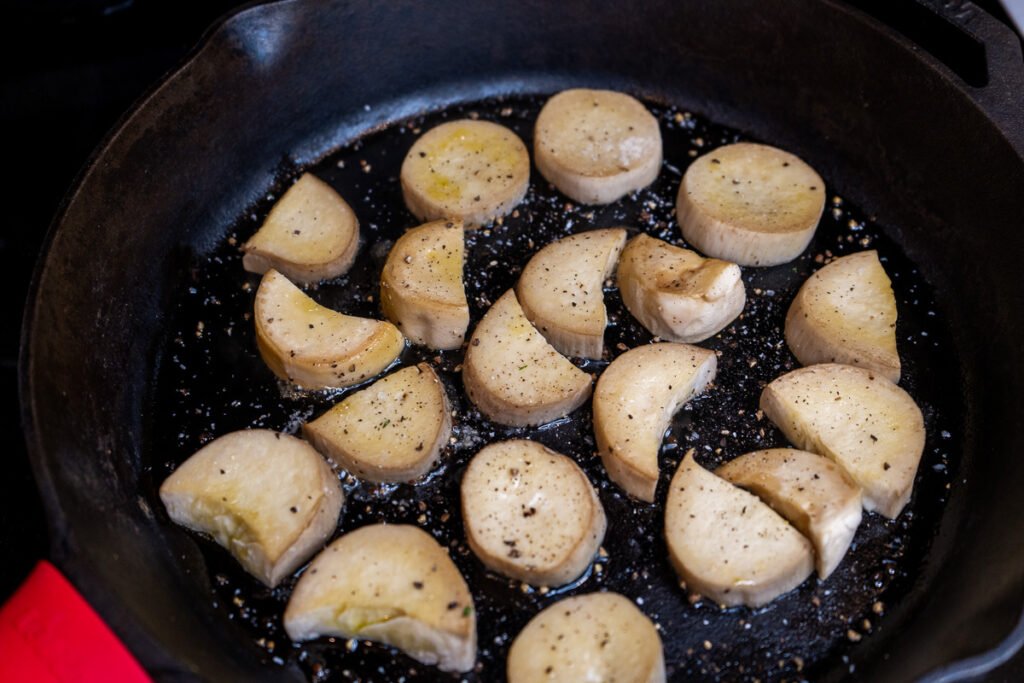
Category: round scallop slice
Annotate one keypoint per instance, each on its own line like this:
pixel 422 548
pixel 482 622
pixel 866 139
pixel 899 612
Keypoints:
pixel 561 290
pixel 315 347
pixel 846 313
pixel 310 235
pixel 421 287
pixel 728 545
pixel 634 402
pixel 864 422
pixel 268 498
pixel 751 204
pixel 597 145
pixel 676 293
pixel 593 637
pixel 531 513
pixel 473 171
pixel 391 431
pixel 813 493
pixel 513 375
pixel 392 584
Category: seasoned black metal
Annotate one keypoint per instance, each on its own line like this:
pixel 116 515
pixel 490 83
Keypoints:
pixel 277 87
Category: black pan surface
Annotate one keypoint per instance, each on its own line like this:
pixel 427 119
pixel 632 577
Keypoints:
pixel 938 159
pixel 212 380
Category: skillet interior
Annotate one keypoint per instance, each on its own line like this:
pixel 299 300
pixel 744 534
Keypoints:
pixel 276 87
pixel 212 381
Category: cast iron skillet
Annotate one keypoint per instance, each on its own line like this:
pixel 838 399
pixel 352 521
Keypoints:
pixel 933 148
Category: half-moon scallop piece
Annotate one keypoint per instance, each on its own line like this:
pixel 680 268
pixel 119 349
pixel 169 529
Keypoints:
pixel 728 545
pixel 858 418
pixel 634 402
pixel 315 347
pixel 473 171
pixel 677 294
pixel 813 493
pixel 391 431
pixel 561 290
pixel 513 375
pixel 311 234
pixel 392 584
pixel 421 287
pixel 751 204
pixel 531 513
pixel 846 313
pixel 597 145
pixel 592 637
pixel 268 498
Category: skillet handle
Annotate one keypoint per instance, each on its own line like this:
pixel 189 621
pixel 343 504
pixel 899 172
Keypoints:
pixel 982 53
pixel 50 634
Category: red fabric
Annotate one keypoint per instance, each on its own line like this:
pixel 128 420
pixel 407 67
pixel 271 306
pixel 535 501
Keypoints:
pixel 50 634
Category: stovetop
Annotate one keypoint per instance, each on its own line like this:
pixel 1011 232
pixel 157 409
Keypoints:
pixel 68 70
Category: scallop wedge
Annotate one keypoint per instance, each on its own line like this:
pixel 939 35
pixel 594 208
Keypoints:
pixel 677 294
pixel 813 493
pixel 315 347
pixel 751 204
pixel 421 287
pixel 513 375
pixel 728 545
pixel 310 235
pixel 597 145
pixel 592 637
pixel 531 513
pixel 268 498
pixel 561 290
pixel 392 584
pixel 473 171
pixel 846 313
pixel 856 417
pixel 634 402
pixel 391 431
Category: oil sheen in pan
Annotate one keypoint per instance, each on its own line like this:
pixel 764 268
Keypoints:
pixel 212 381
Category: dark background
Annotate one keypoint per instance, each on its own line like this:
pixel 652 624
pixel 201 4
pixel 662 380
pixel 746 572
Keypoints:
pixel 68 71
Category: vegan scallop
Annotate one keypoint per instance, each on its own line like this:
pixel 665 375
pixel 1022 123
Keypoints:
pixel 390 583
pixel 813 493
pixel 531 513
pixel 597 145
pixel 751 204
pixel 391 431
pixel 311 234
pixel 846 313
pixel 858 418
pixel 421 285
pixel 634 402
pixel 677 294
pixel 728 545
pixel 592 637
pixel 561 290
pixel 266 497
pixel 315 347
pixel 513 375
pixel 473 171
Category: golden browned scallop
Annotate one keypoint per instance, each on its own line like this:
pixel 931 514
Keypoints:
pixel 473 171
